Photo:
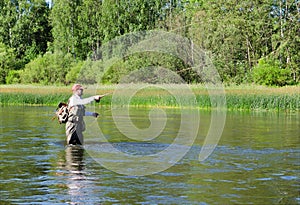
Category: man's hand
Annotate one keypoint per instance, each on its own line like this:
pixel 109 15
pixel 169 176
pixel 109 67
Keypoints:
pixel 95 114
pixel 98 97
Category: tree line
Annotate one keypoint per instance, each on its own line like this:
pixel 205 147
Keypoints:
pixel 248 41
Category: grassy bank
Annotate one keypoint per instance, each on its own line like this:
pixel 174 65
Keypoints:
pixel 237 97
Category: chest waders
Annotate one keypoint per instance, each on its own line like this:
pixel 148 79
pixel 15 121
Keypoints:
pixel 75 125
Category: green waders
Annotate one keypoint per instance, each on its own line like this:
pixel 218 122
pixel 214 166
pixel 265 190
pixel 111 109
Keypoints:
pixel 75 125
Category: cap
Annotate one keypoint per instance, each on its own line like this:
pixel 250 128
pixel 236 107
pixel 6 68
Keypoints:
pixel 76 87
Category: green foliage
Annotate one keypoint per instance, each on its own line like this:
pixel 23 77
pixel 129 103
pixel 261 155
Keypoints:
pixel 268 72
pixel 90 25
pixel 240 33
pixel 64 19
pixel 115 72
pixel 48 69
pixel 73 72
pixel 7 61
pixel 91 72
pixel 13 76
pixel 122 17
pixel 236 34
pixel 81 27
pixel 25 27
pixel 146 62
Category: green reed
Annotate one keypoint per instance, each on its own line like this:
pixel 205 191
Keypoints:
pixel 263 102
pixel 233 102
pixel 242 99
pixel 31 99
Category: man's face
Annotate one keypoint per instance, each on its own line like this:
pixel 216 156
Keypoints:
pixel 79 92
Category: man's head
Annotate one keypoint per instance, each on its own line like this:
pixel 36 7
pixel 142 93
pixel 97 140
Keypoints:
pixel 77 89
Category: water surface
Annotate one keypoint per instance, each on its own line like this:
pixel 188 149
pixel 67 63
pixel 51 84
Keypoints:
pixel 255 162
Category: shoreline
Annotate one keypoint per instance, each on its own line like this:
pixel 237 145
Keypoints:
pixel 244 97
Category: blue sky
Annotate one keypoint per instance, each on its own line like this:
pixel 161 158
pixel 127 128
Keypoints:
pixel 48 1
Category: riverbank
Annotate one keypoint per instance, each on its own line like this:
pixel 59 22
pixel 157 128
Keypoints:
pixel 244 97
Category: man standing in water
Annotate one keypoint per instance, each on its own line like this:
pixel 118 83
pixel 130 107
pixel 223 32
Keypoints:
pixel 75 124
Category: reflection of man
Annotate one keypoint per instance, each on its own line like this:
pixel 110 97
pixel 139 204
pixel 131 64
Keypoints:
pixel 74 159
pixel 75 179
pixel 75 124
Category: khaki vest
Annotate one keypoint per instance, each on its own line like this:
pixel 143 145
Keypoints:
pixel 76 114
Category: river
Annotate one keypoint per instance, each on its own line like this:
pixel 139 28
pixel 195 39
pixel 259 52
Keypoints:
pixel 256 161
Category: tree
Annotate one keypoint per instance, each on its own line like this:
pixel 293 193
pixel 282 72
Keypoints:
pixel 64 20
pixel 7 61
pixel 25 27
pixel 286 38
pixel 121 17
pixel 238 34
pixel 89 23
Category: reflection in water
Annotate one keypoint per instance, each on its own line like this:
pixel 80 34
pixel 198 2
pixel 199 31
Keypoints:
pixel 256 162
pixel 76 178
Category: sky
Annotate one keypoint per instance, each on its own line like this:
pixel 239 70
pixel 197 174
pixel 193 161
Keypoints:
pixel 49 1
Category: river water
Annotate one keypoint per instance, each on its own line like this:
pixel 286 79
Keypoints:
pixel 255 162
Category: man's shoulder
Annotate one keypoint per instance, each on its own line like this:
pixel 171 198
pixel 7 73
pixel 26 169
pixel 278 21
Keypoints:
pixel 71 100
pixel 74 97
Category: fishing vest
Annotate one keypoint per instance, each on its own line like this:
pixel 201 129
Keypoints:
pixel 76 113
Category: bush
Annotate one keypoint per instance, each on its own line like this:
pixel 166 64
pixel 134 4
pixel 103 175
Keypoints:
pixel 13 76
pixel 148 60
pixel 51 68
pixel 90 72
pixel 115 72
pixel 72 74
pixel 268 72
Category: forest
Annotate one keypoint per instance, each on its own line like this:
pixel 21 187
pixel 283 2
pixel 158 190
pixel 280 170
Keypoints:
pixel 50 43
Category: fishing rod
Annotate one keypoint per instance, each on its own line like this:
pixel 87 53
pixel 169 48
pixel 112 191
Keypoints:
pixel 103 95
pixel 62 108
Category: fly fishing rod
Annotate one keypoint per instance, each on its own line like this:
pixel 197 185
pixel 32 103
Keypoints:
pixel 101 96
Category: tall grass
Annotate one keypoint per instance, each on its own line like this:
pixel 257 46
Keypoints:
pixel 237 98
pixel 31 99
pixel 263 102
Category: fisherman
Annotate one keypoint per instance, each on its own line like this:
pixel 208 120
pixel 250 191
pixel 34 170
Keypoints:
pixel 75 124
